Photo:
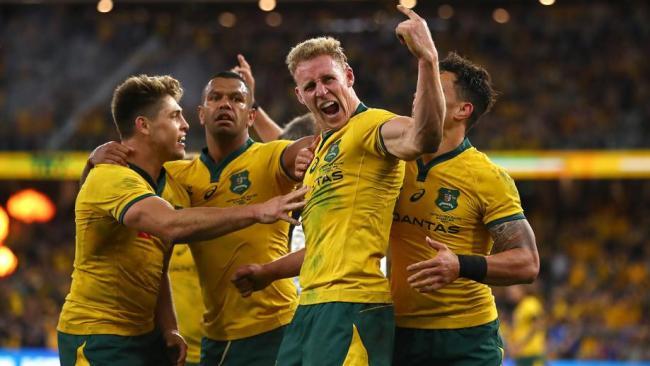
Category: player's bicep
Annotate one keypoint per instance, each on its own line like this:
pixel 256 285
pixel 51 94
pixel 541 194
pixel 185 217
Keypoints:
pixel 396 138
pixel 150 214
pixel 513 234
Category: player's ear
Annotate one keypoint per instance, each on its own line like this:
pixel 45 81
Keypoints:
pixel 252 112
pixel 297 91
pixel 201 113
pixel 464 111
pixel 349 75
pixel 142 125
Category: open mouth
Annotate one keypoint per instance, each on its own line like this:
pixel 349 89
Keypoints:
pixel 181 141
pixel 329 108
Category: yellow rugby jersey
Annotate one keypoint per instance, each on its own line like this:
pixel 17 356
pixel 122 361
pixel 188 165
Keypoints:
pixel 523 319
pixel 252 174
pixel 454 199
pixel 354 184
pixel 117 270
pixel 186 292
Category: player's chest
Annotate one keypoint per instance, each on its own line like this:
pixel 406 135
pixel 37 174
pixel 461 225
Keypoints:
pixel 234 186
pixel 438 202
pixel 335 161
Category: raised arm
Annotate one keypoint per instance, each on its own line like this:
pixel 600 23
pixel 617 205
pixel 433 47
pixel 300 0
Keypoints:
pixel 156 216
pixel 264 126
pixel 409 137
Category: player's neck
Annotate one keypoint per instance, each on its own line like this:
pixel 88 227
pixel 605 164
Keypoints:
pixel 451 139
pixel 221 146
pixel 144 158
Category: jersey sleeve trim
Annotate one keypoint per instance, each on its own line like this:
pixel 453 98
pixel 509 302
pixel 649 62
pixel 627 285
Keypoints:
pixel 131 203
pixel 283 168
pixel 381 144
pixel 517 216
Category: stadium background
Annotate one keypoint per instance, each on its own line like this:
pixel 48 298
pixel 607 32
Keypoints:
pixel 572 125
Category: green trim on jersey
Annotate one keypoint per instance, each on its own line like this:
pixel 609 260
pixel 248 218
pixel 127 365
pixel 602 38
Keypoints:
pixel 423 169
pixel 284 170
pixel 326 134
pixel 517 216
pixel 360 109
pixel 215 168
pixel 133 201
pixel 158 186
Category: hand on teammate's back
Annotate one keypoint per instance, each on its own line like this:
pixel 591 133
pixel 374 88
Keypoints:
pixel 111 152
pixel 280 207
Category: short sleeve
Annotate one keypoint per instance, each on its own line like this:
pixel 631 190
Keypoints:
pixel 114 189
pixel 499 197
pixel 277 149
pixel 368 130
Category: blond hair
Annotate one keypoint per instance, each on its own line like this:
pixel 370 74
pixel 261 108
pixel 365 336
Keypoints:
pixel 141 95
pixel 313 48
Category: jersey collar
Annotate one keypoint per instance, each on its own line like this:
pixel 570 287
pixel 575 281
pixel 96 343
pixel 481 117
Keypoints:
pixel 158 186
pixel 214 168
pixel 325 135
pixel 423 169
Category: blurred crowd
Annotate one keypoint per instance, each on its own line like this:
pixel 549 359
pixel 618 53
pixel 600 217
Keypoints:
pixel 593 238
pixel 567 74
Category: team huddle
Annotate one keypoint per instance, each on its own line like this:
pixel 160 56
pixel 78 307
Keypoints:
pixel 187 262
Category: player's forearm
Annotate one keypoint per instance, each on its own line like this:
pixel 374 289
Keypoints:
pixel 514 266
pixel 428 108
pixel 165 314
pixel 287 266
pixel 203 223
pixel 514 257
pixel 265 127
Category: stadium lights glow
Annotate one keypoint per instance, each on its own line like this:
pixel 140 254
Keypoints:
pixel 227 19
pixel 104 6
pixel 445 11
pixel 273 19
pixel 408 3
pixel 267 5
pixel 4 224
pixel 8 262
pixel 501 15
pixel 547 2
pixel 30 205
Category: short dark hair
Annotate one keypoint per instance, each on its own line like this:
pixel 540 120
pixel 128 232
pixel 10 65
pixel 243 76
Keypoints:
pixel 227 74
pixel 141 95
pixel 301 126
pixel 473 83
